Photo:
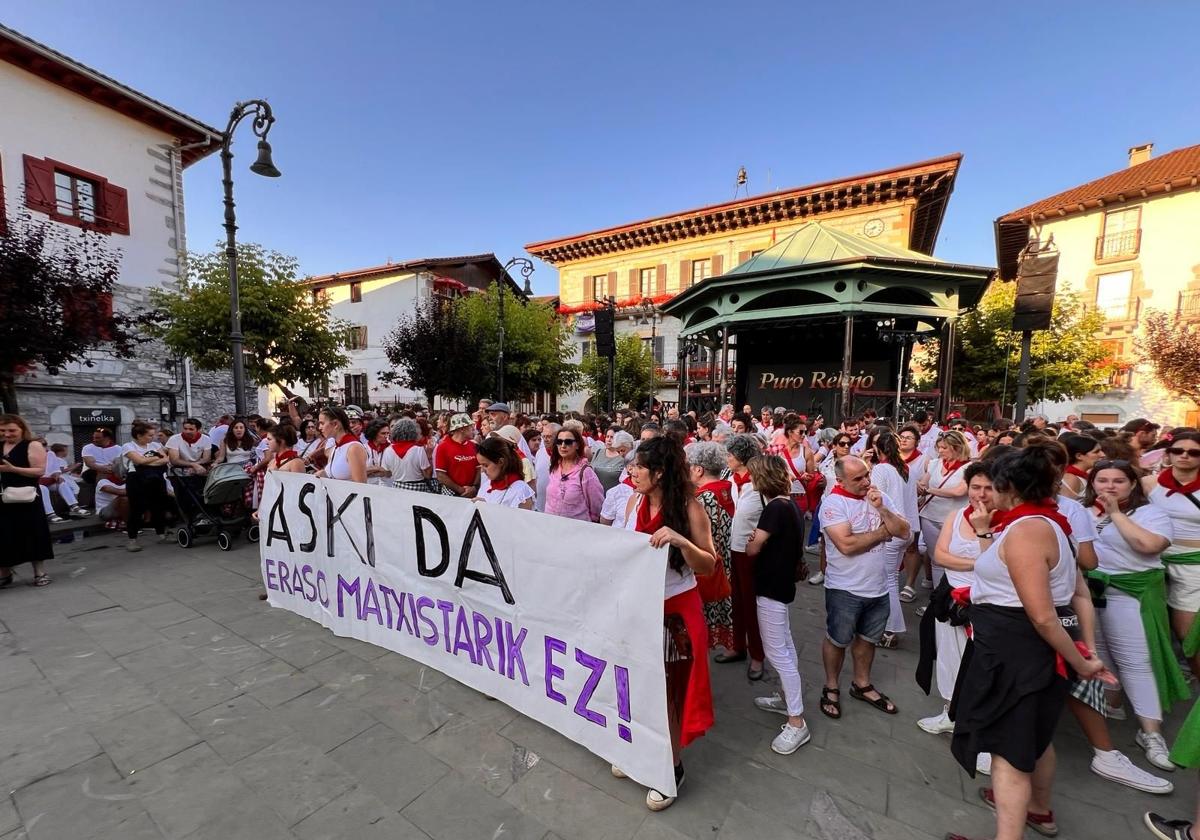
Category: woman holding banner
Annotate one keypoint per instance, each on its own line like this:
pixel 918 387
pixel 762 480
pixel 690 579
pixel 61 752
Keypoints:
pixel 347 456
pixel 666 509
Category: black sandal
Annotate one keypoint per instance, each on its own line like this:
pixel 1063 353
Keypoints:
pixel 40 580
pixel 828 703
pixel 883 703
pixel 727 656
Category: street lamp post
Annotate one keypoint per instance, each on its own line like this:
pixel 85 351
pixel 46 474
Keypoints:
pixel 263 165
pixel 526 273
pixel 650 317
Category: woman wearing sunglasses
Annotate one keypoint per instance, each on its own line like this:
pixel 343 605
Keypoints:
pixel 1130 593
pixel 573 490
pixel 941 491
pixel 1176 490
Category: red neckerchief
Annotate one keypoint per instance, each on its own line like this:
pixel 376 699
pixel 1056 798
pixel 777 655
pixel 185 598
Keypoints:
pixel 504 483
pixel 1048 508
pixel 401 447
pixel 949 467
pixel 190 439
pixel 647 524
pixel 286 455
pixel 722 490
pixel 1100 510
pixel 348 438
pixel 914 455
pixel 1167 479
pixel 741 480
pixel 839 490
pixel 376 447
pixel 1074 470
pixel 627 481
pixel 791 464
pixel 967 511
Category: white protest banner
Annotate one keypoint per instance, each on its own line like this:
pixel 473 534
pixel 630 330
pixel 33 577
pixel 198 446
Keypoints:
pixel 562 620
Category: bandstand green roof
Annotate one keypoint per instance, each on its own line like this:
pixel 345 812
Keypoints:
pixel 821 271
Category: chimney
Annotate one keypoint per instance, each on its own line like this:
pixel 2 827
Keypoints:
pixel 1140 154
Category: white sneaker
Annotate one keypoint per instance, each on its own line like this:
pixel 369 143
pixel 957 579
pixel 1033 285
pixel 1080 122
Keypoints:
pixel 77 512
pixel 1115 766
pixel 938 724
pixel 1114 712
pixel 790 739
pixel 774 703
pixel 54 517
pixel 983 764
pixel 1156 749
pixel 817 579
pixel 618 773
pixel 659 801
pixel 132 545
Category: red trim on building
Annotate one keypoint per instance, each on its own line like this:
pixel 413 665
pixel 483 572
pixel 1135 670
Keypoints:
pixel 111 201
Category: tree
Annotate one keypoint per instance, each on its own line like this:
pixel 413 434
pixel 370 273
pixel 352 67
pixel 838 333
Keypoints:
pixel 289 336
pixel 537 346
pixel 633 373
pixel 434 352
pixel 56 287
pixel 1172 347
pixel 1067 360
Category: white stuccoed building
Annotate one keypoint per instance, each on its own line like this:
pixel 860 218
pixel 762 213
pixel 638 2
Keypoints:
pixel 88 152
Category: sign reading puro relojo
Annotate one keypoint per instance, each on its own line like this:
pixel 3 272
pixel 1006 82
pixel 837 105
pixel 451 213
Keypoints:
pixel 486 595
pixel 810 387
pixel 95 416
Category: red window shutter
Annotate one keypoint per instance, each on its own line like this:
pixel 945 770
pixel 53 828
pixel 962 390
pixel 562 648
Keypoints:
pixel 116 208
pixel 718 263
pixel 660 281
pixel 635 283
pixel 612 284
pixel 39 185
pixel 743 256
pixel 685 274
pixel 589 289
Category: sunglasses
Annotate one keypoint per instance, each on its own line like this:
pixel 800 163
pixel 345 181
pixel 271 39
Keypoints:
pixel 565 442
pixel 1179 450
pixel 841 443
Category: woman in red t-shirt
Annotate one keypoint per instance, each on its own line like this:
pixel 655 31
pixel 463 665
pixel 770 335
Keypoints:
pixel 454 461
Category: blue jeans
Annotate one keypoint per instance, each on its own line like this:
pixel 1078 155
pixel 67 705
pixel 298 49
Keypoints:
pixel 848 615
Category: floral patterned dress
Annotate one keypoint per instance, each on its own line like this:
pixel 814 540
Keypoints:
pixel 719 614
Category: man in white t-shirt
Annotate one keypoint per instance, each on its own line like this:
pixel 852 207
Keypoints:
pixel 57 476
pixel 99 455
pixel 500 415
pixel 190 451
pixel 220 429
pixel 857 520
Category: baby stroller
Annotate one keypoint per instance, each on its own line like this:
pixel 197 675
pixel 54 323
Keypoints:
pixel 214 504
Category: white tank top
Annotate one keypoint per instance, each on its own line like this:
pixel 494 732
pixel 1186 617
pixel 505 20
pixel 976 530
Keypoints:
pixel 993 585
pixel 960 546
pixel 339 462
pixel 676 582
pixel 1185 516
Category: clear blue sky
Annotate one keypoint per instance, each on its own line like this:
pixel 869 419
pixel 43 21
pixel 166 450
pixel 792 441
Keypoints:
pixel 413 129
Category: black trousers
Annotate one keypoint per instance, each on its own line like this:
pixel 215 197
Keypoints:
pixel 147 493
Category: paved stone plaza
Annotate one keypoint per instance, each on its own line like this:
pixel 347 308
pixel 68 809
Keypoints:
pixel 153 695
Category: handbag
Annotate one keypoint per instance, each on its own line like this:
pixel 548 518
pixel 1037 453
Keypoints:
pixel 714 587
pixel 18 495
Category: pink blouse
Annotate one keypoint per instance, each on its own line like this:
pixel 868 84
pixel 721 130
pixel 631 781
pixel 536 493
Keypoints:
pixel 576 494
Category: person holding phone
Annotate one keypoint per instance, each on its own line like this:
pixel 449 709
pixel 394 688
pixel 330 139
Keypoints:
pixel 145 482
pixel 26 531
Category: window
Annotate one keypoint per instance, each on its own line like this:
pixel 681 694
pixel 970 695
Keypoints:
pixel 356 292
pixel 319 295
pixel 356 389
pixel 320 388
pixel 1113 295
pixel 587 348
pixel 1121 235
pixel 701 270
pixel 356 337
pixel 754 254
pixel 73 196
pixel 646 280
pixel 657 348
pixel 600 283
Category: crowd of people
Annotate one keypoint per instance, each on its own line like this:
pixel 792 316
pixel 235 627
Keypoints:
pixel 1058 564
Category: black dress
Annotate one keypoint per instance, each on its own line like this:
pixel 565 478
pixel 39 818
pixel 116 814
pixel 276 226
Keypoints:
pixel 24 531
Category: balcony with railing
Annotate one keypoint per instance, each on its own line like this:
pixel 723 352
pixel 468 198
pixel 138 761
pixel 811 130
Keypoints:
pixel 1189 305
pixel 1117 312
pixel 1119 245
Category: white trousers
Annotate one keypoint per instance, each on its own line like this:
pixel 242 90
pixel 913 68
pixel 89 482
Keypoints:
pixel 780 650
pixel 1121 643
pixel 951 642
pixel 930 531
pixel 66 488
pixel 893 557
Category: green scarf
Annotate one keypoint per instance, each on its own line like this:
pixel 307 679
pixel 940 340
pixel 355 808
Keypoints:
pixel 1188 558
pixel 1186 750
pixel 1150 589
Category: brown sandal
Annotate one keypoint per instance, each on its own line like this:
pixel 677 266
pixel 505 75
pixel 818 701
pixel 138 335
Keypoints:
pixel 830 707
pixel 883 703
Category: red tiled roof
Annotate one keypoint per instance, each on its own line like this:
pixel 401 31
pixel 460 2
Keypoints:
pixel 1180 168
pixel 389 269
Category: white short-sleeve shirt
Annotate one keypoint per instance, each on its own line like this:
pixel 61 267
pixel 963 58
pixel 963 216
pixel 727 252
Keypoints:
pixel 1117 556
pixel 865 574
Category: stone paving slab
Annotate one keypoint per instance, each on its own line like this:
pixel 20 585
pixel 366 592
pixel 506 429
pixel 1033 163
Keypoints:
pixel 152 696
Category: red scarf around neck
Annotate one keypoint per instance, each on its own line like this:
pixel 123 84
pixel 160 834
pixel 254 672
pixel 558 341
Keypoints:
pixel 627 481
pixel 912 456
pixel 949 467
pixel 375 447
pixel 348 438
pixel 284 456
pixel 839 490
pixel 722 490
pixel 401 447
pixel 190 439
pixel 502 484
pixel 1048 508
pixel 1167 479
pixel 646 523
pixel 1074 470
pixel 741 480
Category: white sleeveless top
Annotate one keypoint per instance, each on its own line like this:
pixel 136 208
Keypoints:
pixel 676 582
pixel 961 546
pixel 993 585
pixel 339 462
pixel 939 508
pixel 1185 516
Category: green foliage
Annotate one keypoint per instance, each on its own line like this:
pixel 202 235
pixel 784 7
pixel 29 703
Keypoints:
pixel 633 373
pixel 434 353
pixel 1067 360
pixel 1172 347
pixel 537 347
pixel 289 337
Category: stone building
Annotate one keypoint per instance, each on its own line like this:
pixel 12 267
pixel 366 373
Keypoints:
pixel 1127 243
pixel 91 153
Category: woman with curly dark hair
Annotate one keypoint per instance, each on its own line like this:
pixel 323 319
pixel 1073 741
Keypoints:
pixel 666 509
